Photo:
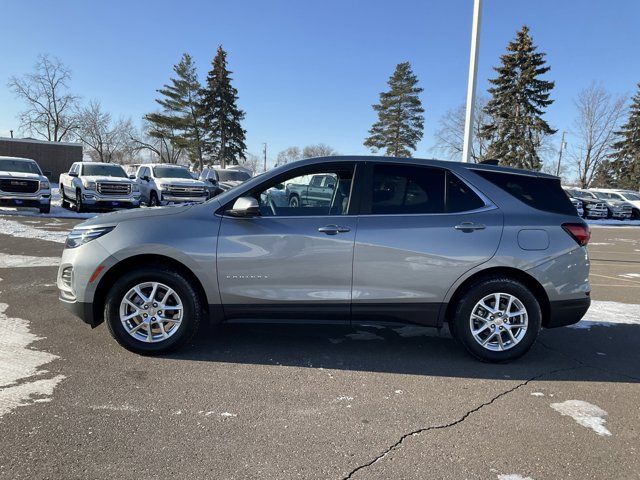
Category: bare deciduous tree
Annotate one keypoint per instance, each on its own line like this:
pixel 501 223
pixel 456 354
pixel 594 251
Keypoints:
pixel 288 155
pixel 159 146
pixel 318 150
pixel 106 140
pixel 598 117
pixel 251 162
pixel 450 134
pixel 50 106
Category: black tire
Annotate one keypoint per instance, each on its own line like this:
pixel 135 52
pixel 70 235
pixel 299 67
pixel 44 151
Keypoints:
pixel 635 214
pixel 79 207
pixel 192 309
pixel 153 200
pixel 46 208
pixel 460 325
pixel 65 203
pixel 294 201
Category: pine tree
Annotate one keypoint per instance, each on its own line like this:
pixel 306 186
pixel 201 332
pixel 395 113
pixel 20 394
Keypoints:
pixel 181 120
pixel 519 99
pixel 225 136
pixel 623 168
pixel 400 115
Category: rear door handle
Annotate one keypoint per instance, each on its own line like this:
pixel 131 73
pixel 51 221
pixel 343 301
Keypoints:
pixel 469 226
pixel 333 229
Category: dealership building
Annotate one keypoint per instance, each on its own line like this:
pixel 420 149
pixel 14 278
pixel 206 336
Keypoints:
pixel 53 157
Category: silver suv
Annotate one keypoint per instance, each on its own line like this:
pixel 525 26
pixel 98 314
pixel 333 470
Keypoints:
pixel 497 253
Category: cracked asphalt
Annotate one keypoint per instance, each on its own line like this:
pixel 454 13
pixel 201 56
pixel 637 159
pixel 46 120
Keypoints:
pixel 312 402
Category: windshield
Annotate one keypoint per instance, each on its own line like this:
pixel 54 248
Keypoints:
pixel 103 169
pixel 632 196
pixel 171 172
pixel 22 166
pixel 584 194
pixel 608 196
pixel 232 176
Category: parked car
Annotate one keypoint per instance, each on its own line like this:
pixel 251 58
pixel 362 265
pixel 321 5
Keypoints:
pixel 220 180
pixel 161 184
pixel 593 206
pixel 98 186
pixel 22 184
pixel 577 203
pixel 496 252
pixel 315 190
pixel 628 196
pixel 615 208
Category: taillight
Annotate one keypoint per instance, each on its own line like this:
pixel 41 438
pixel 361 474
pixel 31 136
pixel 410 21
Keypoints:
pixel 580 232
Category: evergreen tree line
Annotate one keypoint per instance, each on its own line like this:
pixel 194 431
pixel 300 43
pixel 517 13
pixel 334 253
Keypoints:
pixel 510 125
pixel 202 121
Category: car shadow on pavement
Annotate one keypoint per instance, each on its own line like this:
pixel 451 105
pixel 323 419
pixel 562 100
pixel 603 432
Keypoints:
pixel 600 353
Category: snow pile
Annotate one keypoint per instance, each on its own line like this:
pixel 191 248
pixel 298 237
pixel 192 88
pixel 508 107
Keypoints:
pixel 606 314
pixel 21 381
pixel 17 261
pixel 17 229
pixel 586 414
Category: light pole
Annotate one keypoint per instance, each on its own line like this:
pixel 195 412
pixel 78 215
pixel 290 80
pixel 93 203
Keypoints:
pixel 471 85
pixel 264 151
pixel 563 145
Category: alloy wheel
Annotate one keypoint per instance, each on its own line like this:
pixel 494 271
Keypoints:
pixel 499 321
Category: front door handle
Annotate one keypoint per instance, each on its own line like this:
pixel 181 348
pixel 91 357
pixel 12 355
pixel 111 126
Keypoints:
pixel 334 229
pixel 469 226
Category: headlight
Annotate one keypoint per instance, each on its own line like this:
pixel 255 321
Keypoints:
pixel 135 187
pixel 80 236
pixel 163 186
pixel 89 185
pixel 44 185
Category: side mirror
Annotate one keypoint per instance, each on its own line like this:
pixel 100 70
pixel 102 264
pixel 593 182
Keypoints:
pixel 245 207
pixel 132 177
pixel 213 181
pixel 145 178
pixel 73 174
pixel 47 173
pixel 279 186
pixel 331 186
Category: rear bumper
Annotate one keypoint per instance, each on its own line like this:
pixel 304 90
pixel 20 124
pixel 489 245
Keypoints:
pixel 567 312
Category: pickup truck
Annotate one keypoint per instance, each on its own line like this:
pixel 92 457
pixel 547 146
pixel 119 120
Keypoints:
pixel 219 180
pixel 315 190
pixel 99 186
pixel 22 184
pixel 161 184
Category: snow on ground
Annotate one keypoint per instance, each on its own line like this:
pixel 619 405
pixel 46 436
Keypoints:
pixel 21 378
pixel 17 229
pixel 613 223
pixel 585 413
pixel 56 208
pixel 607 314
pixel 16 261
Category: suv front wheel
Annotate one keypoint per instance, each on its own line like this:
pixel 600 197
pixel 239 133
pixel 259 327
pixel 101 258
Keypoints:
pixel 152 310
pixel 497 320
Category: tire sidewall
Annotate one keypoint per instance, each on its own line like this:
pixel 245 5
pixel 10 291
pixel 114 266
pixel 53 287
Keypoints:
pixel 191 310
pixel 480 290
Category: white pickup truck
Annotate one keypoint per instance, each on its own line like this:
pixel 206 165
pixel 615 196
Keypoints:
pixel 100 186
pixel 22 184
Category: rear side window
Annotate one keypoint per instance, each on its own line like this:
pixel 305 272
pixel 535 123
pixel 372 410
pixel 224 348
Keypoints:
pixel 399 189
pixel 544 194
pixel 460 197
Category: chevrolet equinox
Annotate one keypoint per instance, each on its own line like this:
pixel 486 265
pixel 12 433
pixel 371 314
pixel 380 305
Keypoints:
pixel 496 253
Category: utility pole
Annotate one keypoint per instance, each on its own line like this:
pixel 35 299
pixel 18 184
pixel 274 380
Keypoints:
pixel 264 151
pixel 471 85
pixel 11 132
pixel 563 144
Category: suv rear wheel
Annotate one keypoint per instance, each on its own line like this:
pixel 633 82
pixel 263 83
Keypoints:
pixel 497 320
pixel 152 310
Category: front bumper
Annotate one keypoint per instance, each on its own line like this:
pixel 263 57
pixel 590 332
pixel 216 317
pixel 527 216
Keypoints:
pixel 567 312
pixel 82 310
pixel 25 200
pixel 168 198
pixel 96 200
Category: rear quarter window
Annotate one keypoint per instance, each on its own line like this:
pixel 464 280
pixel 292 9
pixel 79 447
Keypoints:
pixel 544 194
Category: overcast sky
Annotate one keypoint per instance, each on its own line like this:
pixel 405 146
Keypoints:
pixel 308 71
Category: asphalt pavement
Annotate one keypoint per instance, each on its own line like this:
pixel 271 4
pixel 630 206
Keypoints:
pixel 279 402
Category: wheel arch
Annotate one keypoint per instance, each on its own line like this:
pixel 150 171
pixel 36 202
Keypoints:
pixel 126 264
pixel 523 277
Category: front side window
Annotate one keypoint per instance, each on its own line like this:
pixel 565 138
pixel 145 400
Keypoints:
pixel 316 194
